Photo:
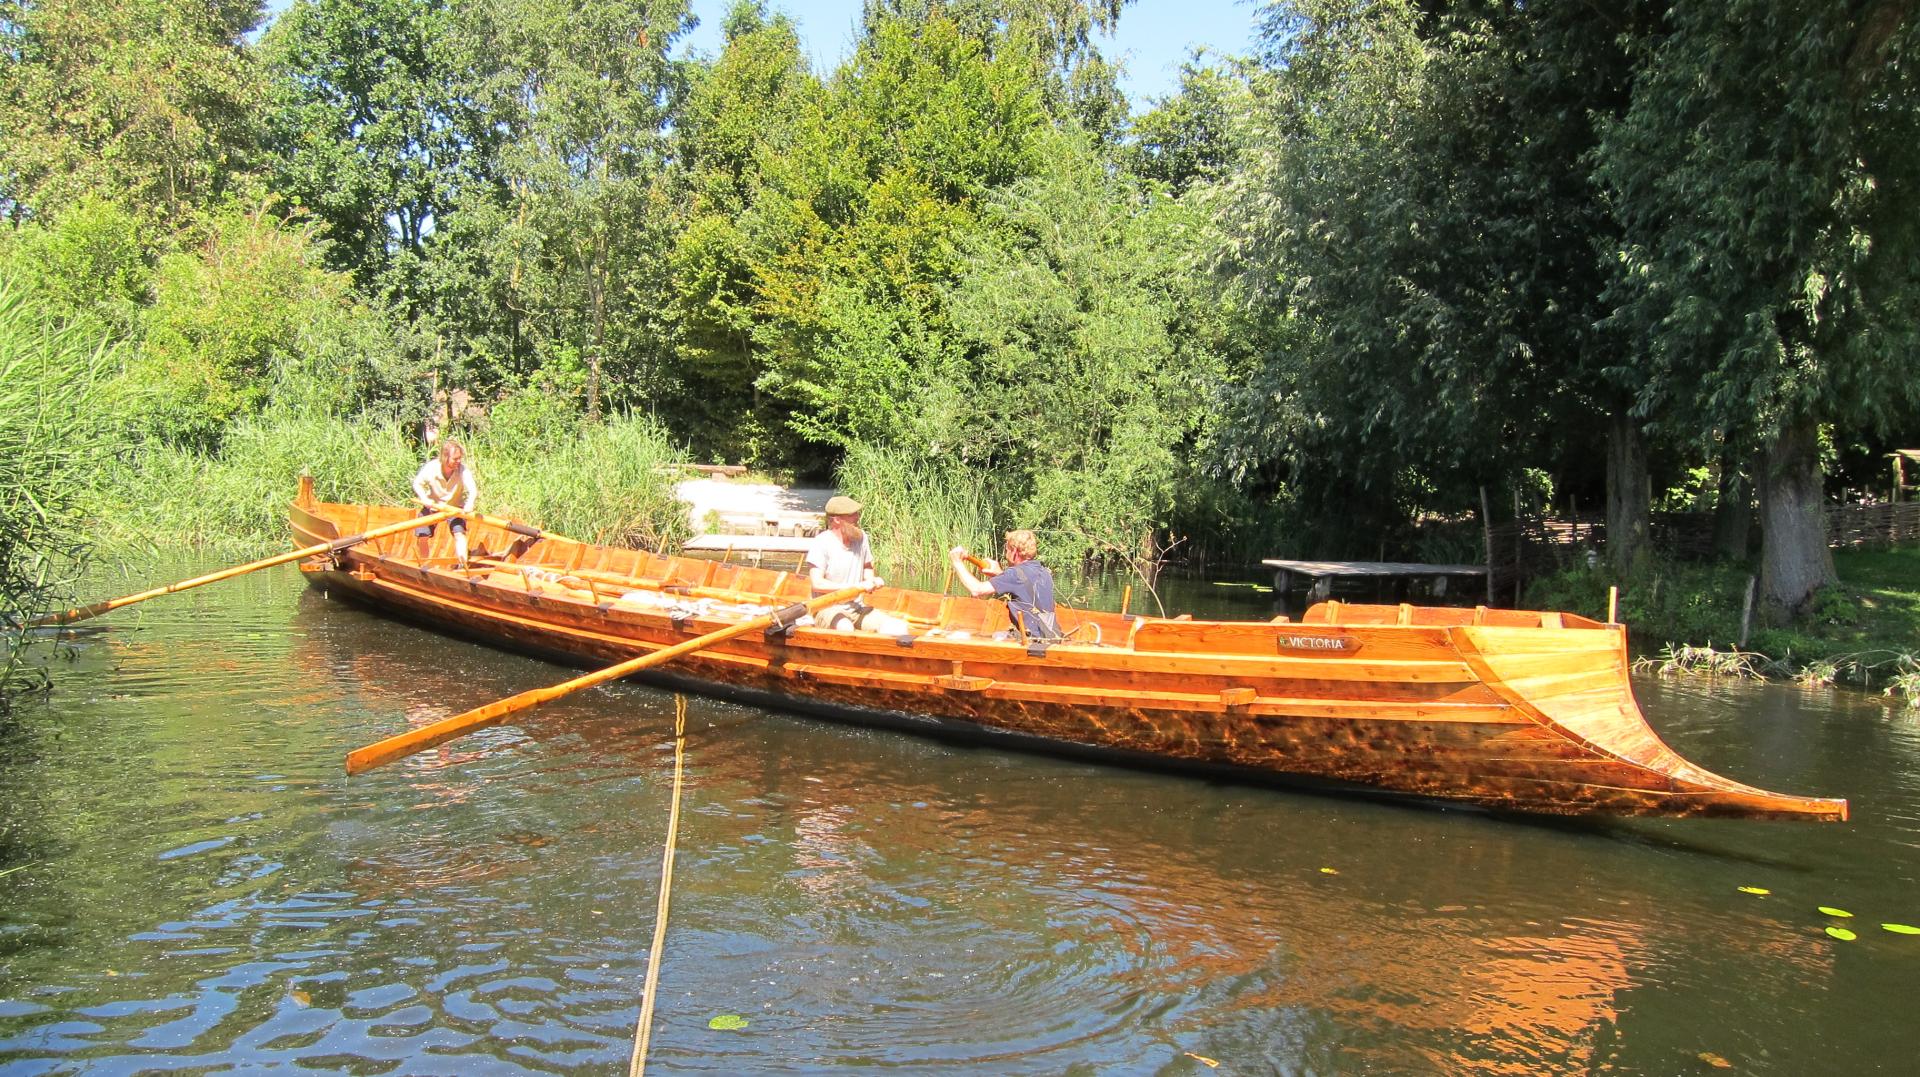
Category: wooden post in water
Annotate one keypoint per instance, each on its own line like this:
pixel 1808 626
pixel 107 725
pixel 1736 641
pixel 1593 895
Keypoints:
pixel 1746 612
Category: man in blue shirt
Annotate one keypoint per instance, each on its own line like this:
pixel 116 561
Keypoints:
pixel 1026 583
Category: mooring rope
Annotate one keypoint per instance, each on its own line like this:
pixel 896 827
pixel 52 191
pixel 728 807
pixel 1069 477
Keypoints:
pixel 637 1065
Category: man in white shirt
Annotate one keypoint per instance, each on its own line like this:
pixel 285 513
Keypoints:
pixel 841 556
pixel 446 480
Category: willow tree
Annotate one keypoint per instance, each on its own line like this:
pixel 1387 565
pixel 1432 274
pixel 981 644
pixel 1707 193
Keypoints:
pixel 1769 275
pixel 1413 192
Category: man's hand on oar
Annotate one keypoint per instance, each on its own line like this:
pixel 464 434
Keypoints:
pixel 417 740
pixel 81 613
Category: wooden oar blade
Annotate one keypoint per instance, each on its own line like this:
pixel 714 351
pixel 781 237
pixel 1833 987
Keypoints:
pixel 440 732
pixel 67 617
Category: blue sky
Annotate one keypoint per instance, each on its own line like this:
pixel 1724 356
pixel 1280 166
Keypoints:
pixel 1154 36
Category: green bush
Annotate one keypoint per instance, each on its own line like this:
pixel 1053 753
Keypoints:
pixel 250 318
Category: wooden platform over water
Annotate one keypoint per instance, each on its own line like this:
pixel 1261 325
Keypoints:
pixel 1397 577
pixel 762 551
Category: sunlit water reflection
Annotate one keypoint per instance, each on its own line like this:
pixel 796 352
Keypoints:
pixel 196 885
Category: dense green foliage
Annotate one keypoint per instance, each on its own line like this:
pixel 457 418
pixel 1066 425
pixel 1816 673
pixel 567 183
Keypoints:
pixel 1863 630
pixel 1409 260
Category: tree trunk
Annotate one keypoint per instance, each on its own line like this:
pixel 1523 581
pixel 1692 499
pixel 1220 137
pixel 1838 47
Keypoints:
pixel 1629 493
pixel 1732 511
pixel 1794 558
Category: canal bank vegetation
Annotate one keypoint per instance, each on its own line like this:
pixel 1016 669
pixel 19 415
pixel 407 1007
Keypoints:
pixel 1400 255
pixel 1696 618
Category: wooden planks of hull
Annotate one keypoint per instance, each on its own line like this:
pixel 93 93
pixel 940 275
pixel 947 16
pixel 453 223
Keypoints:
pixel 1503 709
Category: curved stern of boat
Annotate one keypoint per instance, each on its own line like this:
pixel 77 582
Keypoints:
pixel 1573 683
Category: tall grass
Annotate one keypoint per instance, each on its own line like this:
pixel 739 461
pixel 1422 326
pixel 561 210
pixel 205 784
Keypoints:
pixel 53 408
pixel 605 483
pixel 233 502
pixel 609 483
pixel 918 509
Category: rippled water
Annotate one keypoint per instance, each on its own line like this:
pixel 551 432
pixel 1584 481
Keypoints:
pixel 193 884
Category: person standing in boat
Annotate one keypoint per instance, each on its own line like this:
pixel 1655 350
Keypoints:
pixel 840 556
pixel 446 480
pixel 1027 584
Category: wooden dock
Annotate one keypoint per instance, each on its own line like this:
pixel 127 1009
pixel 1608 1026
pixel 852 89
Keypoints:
pixel 760 551
pixel 1396 577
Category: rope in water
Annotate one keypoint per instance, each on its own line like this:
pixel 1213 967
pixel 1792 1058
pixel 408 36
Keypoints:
pixel 637 1064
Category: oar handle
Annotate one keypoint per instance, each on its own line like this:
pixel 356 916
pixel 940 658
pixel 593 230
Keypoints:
pixel 427 736
pixel 514 526
pixel 81 613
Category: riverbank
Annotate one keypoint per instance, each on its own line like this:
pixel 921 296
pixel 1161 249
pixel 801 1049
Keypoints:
pixel 1688 618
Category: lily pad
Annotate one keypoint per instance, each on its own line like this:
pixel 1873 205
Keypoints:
pixel 1755 890
pixel 1902 929
pixel 1842 934
pixel 728 1022
pixel 1831 911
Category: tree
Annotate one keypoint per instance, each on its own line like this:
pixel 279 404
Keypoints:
pixel 1186 138
pixel 374 131
pixel 744 105
pixel 150 103
pixel 1086 349
pixel 1077 83
pixel 584 94
pixel 1768 269
pixel 858 225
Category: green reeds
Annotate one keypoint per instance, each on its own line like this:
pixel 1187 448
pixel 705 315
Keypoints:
pixel 609 482
pixel 917 509
pixel 54 407
pixel 233 502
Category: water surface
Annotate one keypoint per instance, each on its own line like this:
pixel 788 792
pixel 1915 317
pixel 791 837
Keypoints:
pixel 197 886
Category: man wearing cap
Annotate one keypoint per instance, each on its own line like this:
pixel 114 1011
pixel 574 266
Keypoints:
pixel 1025 582
pixel 840 556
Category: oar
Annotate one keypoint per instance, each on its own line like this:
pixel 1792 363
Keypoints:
pixel 405 744
pixel 527 530
pixel 333 546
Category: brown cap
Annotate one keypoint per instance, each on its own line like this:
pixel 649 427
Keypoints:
pixel 842 505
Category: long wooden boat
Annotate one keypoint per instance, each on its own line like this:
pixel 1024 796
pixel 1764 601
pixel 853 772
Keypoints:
pixel 1505 709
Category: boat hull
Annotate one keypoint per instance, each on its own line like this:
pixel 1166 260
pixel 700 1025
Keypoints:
pixel 1520 712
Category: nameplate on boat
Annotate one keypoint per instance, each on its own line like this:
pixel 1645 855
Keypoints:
pixel 1327 645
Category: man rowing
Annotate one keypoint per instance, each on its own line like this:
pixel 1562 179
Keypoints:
pixel 446 480
pixel 1026 583
pixel 840 556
